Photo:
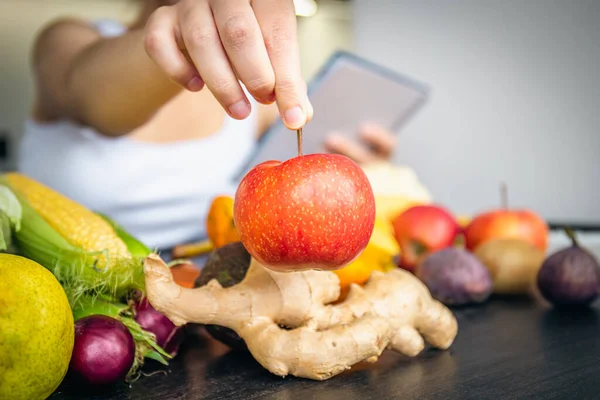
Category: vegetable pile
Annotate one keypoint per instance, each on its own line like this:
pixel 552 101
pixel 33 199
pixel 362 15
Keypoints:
pixel 311 323
pixel 126 307
pixel 100 269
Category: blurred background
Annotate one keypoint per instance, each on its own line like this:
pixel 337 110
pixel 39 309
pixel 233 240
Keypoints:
pixel 515 89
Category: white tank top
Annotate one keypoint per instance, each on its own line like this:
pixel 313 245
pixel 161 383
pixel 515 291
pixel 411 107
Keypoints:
pixel 160 192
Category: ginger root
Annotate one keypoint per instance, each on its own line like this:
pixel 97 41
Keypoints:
pixel 290 325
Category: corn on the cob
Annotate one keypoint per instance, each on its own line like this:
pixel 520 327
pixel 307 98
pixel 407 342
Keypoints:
pixel 87 252
pixel 78 225
pixel 93 257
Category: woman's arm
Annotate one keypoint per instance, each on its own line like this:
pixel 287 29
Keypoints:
pixel 110 84
pixel 191 44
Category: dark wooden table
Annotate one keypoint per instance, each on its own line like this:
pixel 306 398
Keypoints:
pixel 505 349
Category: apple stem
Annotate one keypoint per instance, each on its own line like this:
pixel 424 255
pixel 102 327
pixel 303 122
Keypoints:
pixel 299 136
pixel 504 195
pixel 571 234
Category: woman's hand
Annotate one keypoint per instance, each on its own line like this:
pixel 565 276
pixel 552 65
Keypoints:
pixel 217 42
pixel 376 144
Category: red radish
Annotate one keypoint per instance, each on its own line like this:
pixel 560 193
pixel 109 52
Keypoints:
pixel 168 336
pixel 104 351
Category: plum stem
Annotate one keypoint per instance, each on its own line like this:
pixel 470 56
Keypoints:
pixel 571 234
pixel 299 136
pixel 504 195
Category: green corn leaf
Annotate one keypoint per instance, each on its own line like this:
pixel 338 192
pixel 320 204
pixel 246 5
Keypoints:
pixel 10 217
pixel 97 305
pixel 135 247
pixel 79 271
pixel 10 205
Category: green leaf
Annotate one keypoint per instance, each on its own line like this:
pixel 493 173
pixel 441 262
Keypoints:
pixel 5 232
pixel 157 357
pixel 97 305
pixel 10 205
pixel 10 217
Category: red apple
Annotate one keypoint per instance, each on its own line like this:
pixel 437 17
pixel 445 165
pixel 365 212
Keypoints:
pixel 315 211
pixel 421 230
pixel 507 223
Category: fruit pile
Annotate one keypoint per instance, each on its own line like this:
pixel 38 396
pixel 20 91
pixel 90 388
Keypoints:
pixel 500 251
pixel 395 189
pixel 293 214
pixel 461 260
pixel 328 250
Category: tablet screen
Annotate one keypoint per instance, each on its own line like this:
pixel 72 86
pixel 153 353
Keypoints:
pixel 347 92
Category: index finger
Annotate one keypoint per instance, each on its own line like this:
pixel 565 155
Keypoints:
pixel 380 139
pixel 277 20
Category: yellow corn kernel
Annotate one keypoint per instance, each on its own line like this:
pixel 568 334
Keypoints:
pixel 74 222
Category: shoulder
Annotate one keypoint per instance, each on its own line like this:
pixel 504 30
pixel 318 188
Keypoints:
pixel 64 25
pixel 63 35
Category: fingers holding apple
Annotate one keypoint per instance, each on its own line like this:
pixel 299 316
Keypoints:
pixel 315 211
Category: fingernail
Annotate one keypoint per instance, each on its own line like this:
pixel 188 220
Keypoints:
pixel 240 110
pixel 195 84
pixel 294 117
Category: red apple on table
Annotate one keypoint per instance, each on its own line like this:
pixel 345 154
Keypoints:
pixel 505 223
pixel 315 211
pixel 421 230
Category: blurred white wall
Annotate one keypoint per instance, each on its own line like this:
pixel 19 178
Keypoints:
pixel 516 98
pixel 329 29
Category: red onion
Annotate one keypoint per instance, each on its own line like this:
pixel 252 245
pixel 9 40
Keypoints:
pixel 104 351
pixel 168 336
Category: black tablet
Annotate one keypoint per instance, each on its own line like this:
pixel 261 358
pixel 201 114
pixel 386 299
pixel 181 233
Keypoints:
pixel 346 92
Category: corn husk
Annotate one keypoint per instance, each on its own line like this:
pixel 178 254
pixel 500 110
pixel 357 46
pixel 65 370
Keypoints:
pixel 79 270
